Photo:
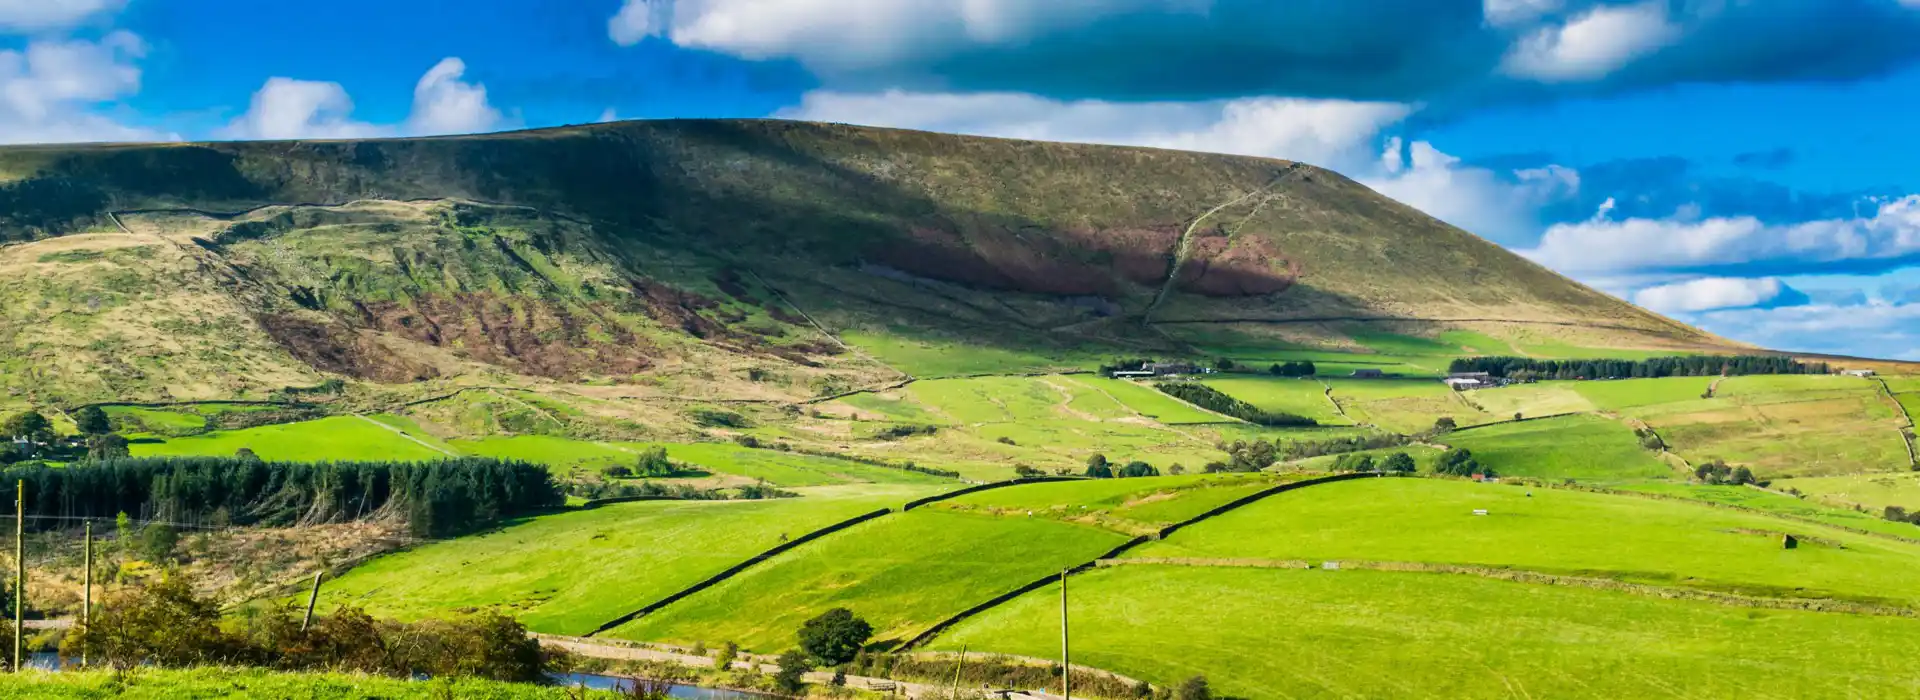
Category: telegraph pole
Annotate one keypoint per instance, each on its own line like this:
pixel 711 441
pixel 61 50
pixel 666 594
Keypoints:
pixel 1066 659
pixel 86 604
pixel 19 569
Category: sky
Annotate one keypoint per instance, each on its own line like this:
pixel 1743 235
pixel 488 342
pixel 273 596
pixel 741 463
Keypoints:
pixel 1743 165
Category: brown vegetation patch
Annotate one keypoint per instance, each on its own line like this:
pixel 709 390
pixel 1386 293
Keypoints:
pixel 335 348
pixel 1218 266
pixel 532 336
pixel 1069 263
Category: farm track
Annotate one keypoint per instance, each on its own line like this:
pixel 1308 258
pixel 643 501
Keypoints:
pixel 1185 246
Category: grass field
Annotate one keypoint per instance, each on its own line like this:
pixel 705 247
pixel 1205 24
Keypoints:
pixel 1871 491
pixel 1266 633
pixel 1782 426
pixel 1570 447
pixel 790 469
pixel 339 438
pixel 1132 506
pixel 1910 402
pixel 902 573
pixel 568 573
pixel 1779 503
pixel 1404 405
pixel 258 684
pixel 134 419
pixel 1560 531
pixel 1150 402
pixel 1627 393
pixel 931 358
pixel 1301 397
pixel 1539 399
pixel 557 453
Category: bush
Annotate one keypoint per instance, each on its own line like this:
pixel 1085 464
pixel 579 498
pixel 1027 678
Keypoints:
pixel 724 658
pixel 616 472
pixel 1444 425
pixel 1026 472
pixel 1195 689
pixel 897 432
pixel 715 418
pixel 1353 463
pixel 92 421
pixel 834 637
pixel 1137 469
pixel 793 668
pixel 1398 463
pixel 1460 462
pixel 1099 471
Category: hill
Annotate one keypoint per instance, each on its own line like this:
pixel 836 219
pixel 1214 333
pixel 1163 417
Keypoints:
pixel 687 261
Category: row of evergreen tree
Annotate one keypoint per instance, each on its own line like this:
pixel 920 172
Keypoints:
pixel 436 499
pixel 1687 366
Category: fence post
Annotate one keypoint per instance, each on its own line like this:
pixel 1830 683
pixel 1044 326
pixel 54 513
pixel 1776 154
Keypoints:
pixel 86 603
pixel 312 599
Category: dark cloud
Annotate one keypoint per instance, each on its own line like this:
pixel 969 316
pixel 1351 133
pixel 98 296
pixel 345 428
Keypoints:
pixel 1766 160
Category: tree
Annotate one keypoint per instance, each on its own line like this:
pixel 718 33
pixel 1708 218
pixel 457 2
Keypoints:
pixel 793 669
pixel 1445 425
pixel 107 446
pixel 1097 460
pixel 1459 462
pixel 158 541
pixel 1026 472
pixel 1195 689
pixel 92 421
pixel 1742 476
pixel 1223 364
pixel 1136 469
pixel 1397 462
pixel 724 658
pixel 835 637
pixel 30 425
pixel 1100 471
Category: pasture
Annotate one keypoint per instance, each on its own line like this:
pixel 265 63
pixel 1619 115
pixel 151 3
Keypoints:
pixel 902 573
pixel 1404 405
pixel 568 573
pixel 1568 447
pixel 1783 426
pixel 1773 501
pixel 1621 394
pixel 1132 506
pixel 339 438
pixel 1300 397
pixel 1150 402
pixel 1640 540
pixel 1538 399
pixel 1873 492
pixel 1274 633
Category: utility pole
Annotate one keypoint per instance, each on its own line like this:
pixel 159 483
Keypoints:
pixel 312 599
pixel 86 603
pixel 19 569
pixel 1066 659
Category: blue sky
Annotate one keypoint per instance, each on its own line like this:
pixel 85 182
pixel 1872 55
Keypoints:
pixel 1744 165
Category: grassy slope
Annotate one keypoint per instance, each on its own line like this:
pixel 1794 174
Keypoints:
pixel 336 438
pixel 1780 503
pixel 571 572
pixel 1784 426
pixel 1288 633
pixel 1404 405
pixel 1617 395
pixel 1150 402
pixel 257 684
pixel 1134 506
pixel 1653 541
pixel 901 573
pixel 1571 447
pixel 1299 397
pixel 1871 491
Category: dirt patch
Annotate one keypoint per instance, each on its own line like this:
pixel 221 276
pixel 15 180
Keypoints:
pixel 1218 266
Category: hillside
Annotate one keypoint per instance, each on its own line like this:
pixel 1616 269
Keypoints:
pixel 691 261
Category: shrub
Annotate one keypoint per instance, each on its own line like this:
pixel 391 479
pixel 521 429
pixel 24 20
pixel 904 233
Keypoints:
pixel 724 658
pixel 793 668
pixel 1026 472
pixel 1444 425
pixel 92 421
pixel 1195 689
pixel 715 418
pixel 616 472
pixel 1397 462
pixel 1100 471
pixel 1460 462
pixel 834 637
pixel 1137 469
pixel 1212 399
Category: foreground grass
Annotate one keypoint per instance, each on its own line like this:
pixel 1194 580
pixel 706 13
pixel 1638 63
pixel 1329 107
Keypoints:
pixel 902 573
pixel 1557 531
pixel 571 572
pixel 1268 633
pixel 239 684
pixel 340 438
pixel 1569 447
pixel 1133 506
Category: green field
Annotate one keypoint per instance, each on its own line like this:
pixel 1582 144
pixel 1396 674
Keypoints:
pixel 792 469
pixel 151 420
pixel 1150 402
pixel 1301 397
pixel 1559 531
pixel 557 453
pixel 1909 402
pixel 1405 405
pixel 1570 447
pixel 902 573
pixel 259 684
pixel 1132 506
pixel 1783 426
pixel 1871 491
pixel 1538 399
pixel 933 358
pixel 571 572
pixel 340 438
pixel 1269 633
pixel 1775 502
pixel 1620 394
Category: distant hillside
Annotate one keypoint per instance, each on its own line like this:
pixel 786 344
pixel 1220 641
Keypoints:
pixel 704 259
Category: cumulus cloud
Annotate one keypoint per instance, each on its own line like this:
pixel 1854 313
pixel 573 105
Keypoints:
pixel 50 90
pixel 1887 238
pixel 285 108
pixel 1877 328
pixel 1714 293
pixel 43 15
pixel 1371 50
pixel 1594 44
pixel 1502 206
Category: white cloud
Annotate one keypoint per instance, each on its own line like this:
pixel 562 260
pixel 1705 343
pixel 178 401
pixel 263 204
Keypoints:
pixel 44 15
pixel 638 19
pixel 285 108
pixel 1601 245
pixel 1323 132
pixel 608 116
pixel 1509 13
pixel 50 90
pixel 1503 207
pixel 1593 45
pixel 1873 329
pixel 443 104
pixel 1712 293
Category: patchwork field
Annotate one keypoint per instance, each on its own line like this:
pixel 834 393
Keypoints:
pixel 571 572
pixel 1628 393
pixel 1873 492
pixel 1270 633
pixel 1784 426
pixel 902 573
pixel 1132 506
pixel 1150 402
pixel 1559 531
pixel 339 438
pixel 1300 397
pixel 1538 399
pixel 1405 405
pixel 1569 447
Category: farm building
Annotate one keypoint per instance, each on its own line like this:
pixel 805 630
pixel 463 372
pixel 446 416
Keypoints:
pixel 1168 369
pixel 1463 384
pixel 1859 373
